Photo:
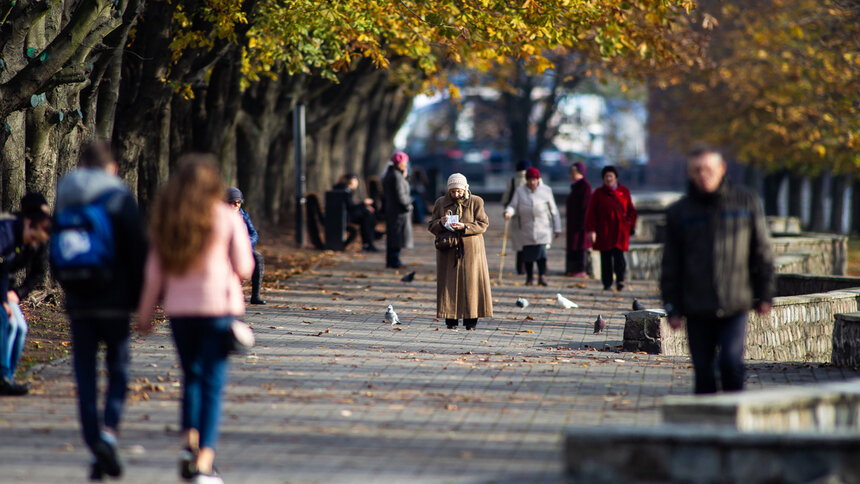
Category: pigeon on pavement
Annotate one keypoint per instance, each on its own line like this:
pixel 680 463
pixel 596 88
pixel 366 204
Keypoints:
pixel 408 277
pixel 599 325
pixel 521 302
pixel 391 316
pixel 637 306
pixel 565 302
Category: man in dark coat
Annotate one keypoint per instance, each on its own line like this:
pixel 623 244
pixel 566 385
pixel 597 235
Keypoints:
pixel 235 200
pixel 717 265
pixel 608 221
pixel 398 205
pixel 578 242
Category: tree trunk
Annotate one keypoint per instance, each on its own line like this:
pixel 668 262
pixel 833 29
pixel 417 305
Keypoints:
pixel 817 220
pixel 795 196
pixel 772 185
pixel 839 185
pixel 42 155
pixel 12 165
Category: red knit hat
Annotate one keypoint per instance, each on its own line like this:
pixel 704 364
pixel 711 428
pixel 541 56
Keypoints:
pixel 532 173
pixel 399 157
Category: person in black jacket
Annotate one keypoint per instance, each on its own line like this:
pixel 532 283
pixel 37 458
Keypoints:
pixel 359 212
pixel 398 208
pixel 235 200
pixel 717 265
pixel 22 246
pixel 103 314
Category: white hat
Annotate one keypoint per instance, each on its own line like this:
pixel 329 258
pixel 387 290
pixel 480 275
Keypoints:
pixel 457 180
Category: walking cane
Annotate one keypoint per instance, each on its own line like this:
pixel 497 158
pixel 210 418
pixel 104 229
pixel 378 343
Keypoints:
pixel 503 254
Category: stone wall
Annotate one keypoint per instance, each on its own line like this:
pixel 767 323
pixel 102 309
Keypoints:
pixel 793 284
pixel 800 328
pixel 831 251
pixel 846 340
pixel 703 454
pixel 827 407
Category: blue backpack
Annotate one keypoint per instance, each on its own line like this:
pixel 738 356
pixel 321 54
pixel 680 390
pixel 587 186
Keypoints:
pixel 82 245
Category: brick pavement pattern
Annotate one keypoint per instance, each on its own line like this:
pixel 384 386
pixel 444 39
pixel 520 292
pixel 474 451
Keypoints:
pixel 332 393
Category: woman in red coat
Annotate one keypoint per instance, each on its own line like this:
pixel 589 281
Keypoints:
pixel 609 220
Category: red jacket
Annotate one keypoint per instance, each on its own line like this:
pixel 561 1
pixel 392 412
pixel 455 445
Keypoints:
pixel 611 215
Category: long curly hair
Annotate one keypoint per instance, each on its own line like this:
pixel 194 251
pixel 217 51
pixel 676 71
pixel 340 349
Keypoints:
pixel 181 224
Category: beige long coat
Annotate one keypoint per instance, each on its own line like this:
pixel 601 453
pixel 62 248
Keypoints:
pixel 462 285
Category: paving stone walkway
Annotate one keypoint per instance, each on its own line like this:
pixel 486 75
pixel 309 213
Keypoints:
pixel 333 394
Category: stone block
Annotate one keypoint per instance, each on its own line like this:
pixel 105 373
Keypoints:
pixel 846 340
pixel 673 453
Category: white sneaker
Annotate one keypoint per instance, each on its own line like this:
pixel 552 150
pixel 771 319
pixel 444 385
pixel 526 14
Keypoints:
pixel 213 478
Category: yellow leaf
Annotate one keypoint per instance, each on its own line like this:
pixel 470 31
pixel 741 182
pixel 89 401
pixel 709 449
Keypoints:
pixel 820 149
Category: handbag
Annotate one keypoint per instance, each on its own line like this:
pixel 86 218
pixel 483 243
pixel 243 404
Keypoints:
pixel 446 240
pixel 241 337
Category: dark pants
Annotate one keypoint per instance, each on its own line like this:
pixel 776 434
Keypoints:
pixel 86 335
pixel 202 346
pixel 521 266
pixel 576 261
pixel 257 276
pixel 612 261
pixel 366 221
pixel 541 264
pixel 727 334
pixel 392 258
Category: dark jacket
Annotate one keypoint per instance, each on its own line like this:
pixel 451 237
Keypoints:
pixel 717 257
pixel 576 206
pixel 397 203
pixel 11 231
pixel 252 232
pixel 121 297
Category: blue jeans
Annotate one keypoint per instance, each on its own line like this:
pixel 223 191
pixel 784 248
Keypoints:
pixel 202 344
pixel 708 334
pixel 86 335
pixel 13 334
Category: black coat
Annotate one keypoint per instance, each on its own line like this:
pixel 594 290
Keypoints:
pixel 397 204
pixel 717 258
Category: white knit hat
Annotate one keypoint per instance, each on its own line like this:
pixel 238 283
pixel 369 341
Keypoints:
pixel 457 180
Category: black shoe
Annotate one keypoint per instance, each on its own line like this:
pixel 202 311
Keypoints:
pixel 378 235
pixel 542 281
pixel 607 288
pixel 187 464
pixel 370 248
pixel 619 285
pixel 470 328
pixel 96 472
pixel 10 387
pixel 451 323
pixel 107 456
pixel 257 300
pixel 529 282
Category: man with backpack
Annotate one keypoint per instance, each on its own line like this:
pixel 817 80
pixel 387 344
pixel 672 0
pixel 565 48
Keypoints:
pixel 21 236
pixel 97 254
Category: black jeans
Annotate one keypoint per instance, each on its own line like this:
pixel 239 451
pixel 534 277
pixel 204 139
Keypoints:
pixel 708 334
pixel 257 276
pixel 612 261
pixel 576 261
pixel 366 221
pixel 86 334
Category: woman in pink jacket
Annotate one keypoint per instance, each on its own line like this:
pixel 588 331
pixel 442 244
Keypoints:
pixel 200 253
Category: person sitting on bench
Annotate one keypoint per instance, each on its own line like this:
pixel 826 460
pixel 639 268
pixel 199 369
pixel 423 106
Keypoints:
pixel 358 211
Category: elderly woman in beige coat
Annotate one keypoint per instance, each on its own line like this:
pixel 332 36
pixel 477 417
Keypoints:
pixel 462 276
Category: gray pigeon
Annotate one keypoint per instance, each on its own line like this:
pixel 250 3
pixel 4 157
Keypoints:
pixel 599 325
pixel 408 277
pixel 391 316
pixel 637 306
pixel 522 303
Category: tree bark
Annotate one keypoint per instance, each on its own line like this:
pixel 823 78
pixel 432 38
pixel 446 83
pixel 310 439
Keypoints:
pixel 795 196
pixel 13 166
pixel 839 185
pixel 772 185
pixel 820 185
